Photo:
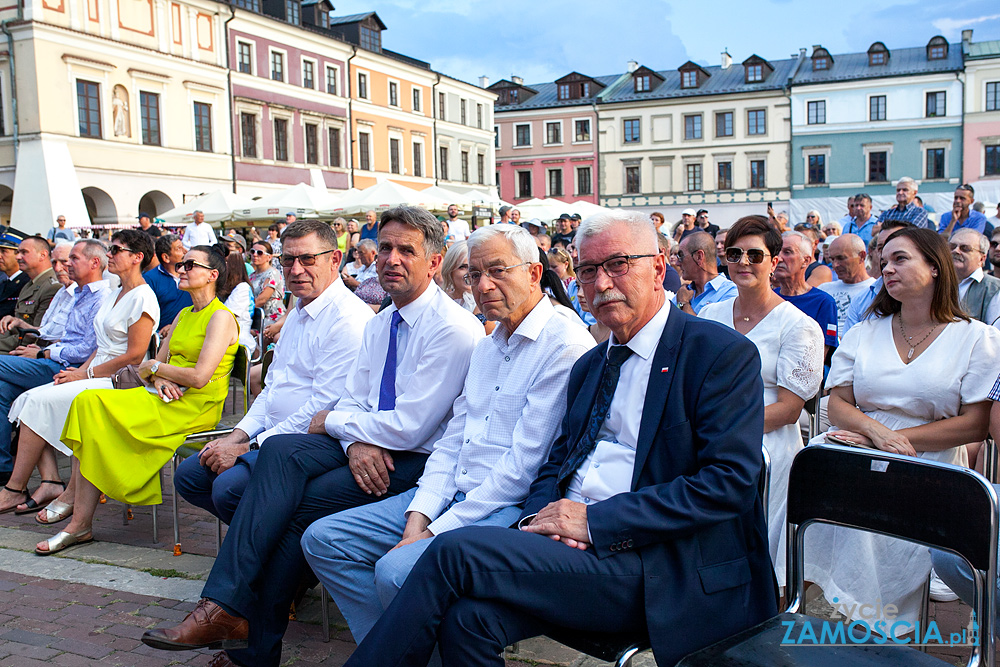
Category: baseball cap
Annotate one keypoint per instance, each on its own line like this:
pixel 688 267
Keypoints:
pixel 689 211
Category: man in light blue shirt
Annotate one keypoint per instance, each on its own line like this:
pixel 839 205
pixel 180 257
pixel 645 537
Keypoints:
pixel 863 222
pixel 698 266
pixel 961 215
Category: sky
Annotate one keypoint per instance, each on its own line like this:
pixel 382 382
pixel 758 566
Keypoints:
pixel 542 40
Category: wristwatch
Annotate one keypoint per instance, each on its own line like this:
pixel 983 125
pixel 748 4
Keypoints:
pixel 40 354
pixel 155 367
pixel 253 446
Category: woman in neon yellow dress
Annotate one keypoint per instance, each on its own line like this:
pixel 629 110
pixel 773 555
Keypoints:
pixel 121 438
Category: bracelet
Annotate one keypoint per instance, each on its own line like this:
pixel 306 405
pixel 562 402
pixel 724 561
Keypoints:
pixel 90 372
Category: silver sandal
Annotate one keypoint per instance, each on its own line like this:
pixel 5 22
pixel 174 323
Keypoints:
pixel 63 540
pixel 54 512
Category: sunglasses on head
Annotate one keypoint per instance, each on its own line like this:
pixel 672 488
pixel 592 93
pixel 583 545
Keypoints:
pixel 259 253
pixel 189 264
pixel 754 255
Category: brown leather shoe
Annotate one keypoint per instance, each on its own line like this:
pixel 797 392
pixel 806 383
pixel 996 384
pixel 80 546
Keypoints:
pixel 208 626
pixel 221 660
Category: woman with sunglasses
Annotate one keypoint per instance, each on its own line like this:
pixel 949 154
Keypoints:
pixel 791 353
pixel 343 237
pixel 268 283
pixel 124 326
pixel 121 438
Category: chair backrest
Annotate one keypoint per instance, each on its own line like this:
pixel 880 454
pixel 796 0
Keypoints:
pixel 265 363
pixel 257 319
pixel 241 371
pixel 935 504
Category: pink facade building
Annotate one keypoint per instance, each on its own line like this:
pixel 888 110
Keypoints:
pixel 981 132
pixel 546 138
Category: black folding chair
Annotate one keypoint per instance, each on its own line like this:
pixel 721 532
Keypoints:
pixel 257 324
pixel 935 504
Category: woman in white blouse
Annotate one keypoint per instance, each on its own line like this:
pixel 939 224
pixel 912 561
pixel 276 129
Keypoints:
pixel 791 353
pixel 913 380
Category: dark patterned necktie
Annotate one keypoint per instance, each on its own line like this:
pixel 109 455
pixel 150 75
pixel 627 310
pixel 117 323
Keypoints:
pixel 605 392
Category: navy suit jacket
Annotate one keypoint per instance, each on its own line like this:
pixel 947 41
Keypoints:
pixel 693 514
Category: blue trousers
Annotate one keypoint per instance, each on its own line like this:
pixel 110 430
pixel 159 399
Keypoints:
pixel 217 494
pixel 18 375
pixel 296 480
pixel 350 553
pixel 477 589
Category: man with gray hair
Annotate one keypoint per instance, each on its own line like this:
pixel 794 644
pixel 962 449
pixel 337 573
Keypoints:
pixel 906 208
pixel 698 266
pixel 847 255
pixel 53 322
pixel 373 443
pixel 366 251
pixel 644 477
pixel 480 470
pixel 790 277
pixel 198 232
pixel 977 290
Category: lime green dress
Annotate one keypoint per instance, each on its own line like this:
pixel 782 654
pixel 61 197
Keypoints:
pixel 123 437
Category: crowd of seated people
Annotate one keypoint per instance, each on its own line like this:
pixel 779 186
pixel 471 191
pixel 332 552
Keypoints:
pixel 440 485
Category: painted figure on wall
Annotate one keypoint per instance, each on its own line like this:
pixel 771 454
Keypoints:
pixel 120 111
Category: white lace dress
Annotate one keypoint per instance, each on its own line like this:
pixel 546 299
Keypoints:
pixel 791 355
pixel 958 368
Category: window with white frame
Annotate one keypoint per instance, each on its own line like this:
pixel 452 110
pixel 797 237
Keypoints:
pixel 277 66
pixel 362 85
pixel 308 74
pixel 555 182
pixel 816 112
pixel 393 94
pixel 418 99
pixel 244 57
pixel 331 79
pixel 364 151
pixel 553 133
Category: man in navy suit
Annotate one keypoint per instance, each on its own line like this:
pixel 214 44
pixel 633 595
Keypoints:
pixel 646 517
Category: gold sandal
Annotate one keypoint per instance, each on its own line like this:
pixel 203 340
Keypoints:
pixel 64 540
pixel 55 512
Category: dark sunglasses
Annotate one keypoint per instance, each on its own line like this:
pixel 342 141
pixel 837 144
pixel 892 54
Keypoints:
pixel 288 261
pixel 189 264
pixel 754 255
pixel 115 249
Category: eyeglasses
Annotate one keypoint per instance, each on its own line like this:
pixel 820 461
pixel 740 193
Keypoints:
pixel 753 255
pixel 115 249
pixel 259 253
pixel 963 248
pixel 614 267
pixel 495 273
pixel 994 244
pixel 288 261
pixel 189 264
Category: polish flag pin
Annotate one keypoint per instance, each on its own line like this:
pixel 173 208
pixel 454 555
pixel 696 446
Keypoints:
pixel 665 369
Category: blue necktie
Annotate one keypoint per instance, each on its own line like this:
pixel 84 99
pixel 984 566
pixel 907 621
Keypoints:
pixel 387 390
pixel 602 403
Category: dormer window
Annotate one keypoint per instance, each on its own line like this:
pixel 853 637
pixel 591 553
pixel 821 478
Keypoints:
pixel 821 59
pixel 689 79
pixel 937 48
pixel 293 11
pixel 692 75
pixel 324 20
pixel 642 84
pixel 756 69
pixel 878 55
pixel 564 91
pixel 755 73
pixel 585 89
pixel 371 39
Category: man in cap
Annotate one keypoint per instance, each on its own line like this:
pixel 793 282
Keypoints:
pixel 565 232
pixel 146 225
pixel 11 288
pixel 505 215
pixel 688 217
pixel 574 221
pixel 701 220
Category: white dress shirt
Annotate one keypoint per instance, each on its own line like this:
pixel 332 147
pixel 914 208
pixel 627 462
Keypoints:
pixel 366 272
pixel 198 234
pixel 608 469
pixel 434 344
pixel 53 324
pixel 319 342
pixel 505 420
pixel 993 309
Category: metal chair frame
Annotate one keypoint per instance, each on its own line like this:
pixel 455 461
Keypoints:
pixel 241 372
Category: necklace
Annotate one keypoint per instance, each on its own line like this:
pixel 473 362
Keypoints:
pixel 909 339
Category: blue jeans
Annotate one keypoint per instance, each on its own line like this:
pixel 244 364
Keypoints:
pixel 217 494
pixel 18 375
pixel 350 553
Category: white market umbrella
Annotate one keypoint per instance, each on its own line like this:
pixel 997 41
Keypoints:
pixel 302 199
pixel 545 210
pixel 379 197
pixel 217 206
pixel 586 209
pixel 447 197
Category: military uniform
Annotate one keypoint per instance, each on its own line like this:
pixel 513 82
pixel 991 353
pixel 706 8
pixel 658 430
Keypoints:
pixel 31 305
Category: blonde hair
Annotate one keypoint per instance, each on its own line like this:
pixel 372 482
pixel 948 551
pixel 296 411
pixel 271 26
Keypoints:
pixel 559 254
